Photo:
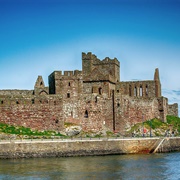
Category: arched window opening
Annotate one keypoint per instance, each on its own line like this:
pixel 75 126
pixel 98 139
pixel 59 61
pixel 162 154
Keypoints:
pixel 2 102
pixel 140 91
pixel 118 104
pixel 135 91
pixel 118 91
pixel 146 90
pixel 54 102
pixel 43 93
pixel 86 114
pixel 69 84
pixel 100 91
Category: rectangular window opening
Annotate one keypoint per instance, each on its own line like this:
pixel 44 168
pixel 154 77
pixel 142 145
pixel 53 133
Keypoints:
pixel 68 95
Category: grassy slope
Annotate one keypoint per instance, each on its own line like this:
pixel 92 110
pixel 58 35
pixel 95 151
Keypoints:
pixel 174 121
pixel 158 127
pixel 20 130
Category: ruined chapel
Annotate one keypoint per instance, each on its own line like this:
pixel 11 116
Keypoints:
pixel 93 98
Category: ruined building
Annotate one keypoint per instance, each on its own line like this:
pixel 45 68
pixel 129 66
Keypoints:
pixel 94 98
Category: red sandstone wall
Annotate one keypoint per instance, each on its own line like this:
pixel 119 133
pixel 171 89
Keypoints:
pixel 72 94
pixel 41 114
pixel 135 110
pixel 99 111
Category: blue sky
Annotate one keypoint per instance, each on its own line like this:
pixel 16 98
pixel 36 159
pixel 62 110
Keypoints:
pixel 40 36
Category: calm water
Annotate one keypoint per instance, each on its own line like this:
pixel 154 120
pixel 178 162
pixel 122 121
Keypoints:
pixel 156 166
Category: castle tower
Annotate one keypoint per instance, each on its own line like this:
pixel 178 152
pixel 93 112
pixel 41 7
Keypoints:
pixel 116 65
pixel 87 62
pixel 157 83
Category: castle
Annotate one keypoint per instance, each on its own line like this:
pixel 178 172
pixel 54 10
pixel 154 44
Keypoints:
pixel 93 98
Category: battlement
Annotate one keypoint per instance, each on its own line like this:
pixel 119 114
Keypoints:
pixel 106 66
pixel 58 74
pixel 15 92
pixel 94 98
pixel 28 100
pixel 88 56
pixel 106 60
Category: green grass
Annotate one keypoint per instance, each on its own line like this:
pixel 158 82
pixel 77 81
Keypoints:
pixel 20 130
pixel 155 124
pixel 109 133
pixel 174 121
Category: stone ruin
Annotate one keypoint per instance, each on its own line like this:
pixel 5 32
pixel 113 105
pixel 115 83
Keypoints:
pixel 93 98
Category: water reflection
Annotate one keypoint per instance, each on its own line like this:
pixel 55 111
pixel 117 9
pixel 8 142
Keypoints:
pixel 156 166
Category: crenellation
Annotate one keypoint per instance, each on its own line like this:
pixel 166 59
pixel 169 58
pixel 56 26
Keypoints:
pixel 88 56
pixel 77 73
pixel 93 98
pixel 10 92
pixel 68 73
pixel 108 61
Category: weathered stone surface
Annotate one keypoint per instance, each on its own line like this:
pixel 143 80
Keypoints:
pixel 93 98
pixel 73 130
pixel 27 149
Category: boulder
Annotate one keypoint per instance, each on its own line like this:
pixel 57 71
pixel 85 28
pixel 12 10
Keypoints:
pixel 73 130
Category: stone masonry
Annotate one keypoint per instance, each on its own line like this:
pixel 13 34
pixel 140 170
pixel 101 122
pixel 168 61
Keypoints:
pixel 93 98
pixel 86 147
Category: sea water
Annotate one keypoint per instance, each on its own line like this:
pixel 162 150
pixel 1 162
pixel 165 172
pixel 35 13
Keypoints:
pixel 128 167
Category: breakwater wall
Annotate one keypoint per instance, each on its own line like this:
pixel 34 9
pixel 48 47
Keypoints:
pixel 64 148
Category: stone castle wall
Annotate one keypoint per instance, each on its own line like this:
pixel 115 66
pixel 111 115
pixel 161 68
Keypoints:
pixel 105 67
pixel 130 111
pixel 137 88
pixel 93 98
pixel 15 92
pixel 92 113
pixel 173 109
pixel 62 83
pixel 40 113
